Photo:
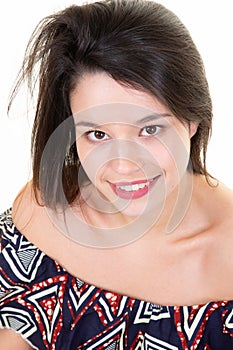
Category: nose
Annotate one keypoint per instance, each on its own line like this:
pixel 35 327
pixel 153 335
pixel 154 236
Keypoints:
pixel 125 157
pixel 125 167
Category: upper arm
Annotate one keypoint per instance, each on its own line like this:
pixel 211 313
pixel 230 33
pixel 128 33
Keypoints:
pixel 10 340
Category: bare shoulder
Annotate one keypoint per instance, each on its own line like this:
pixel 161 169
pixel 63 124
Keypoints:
pixel 220 256
pixel 22 208
pixel 10 340
pixel 224 205
pixel 218 200
pixel 221 214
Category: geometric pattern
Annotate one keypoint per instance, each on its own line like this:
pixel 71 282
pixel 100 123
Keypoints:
pixel 147 312
pixel 53 310
pixel 155 343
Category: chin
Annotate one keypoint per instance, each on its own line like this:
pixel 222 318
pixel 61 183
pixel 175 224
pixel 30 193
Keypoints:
pixel 136 208
pixel 132 211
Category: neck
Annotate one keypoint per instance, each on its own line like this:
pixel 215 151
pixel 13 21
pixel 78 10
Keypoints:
pixel 176 205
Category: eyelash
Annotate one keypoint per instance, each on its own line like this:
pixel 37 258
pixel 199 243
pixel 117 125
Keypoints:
pixel 157 128
pixel 93 132
pixel 90 134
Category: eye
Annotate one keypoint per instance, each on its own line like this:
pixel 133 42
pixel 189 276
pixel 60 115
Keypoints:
pixel 150 130
pixel 97 135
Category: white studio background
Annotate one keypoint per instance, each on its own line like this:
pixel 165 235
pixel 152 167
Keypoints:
pixel 211 26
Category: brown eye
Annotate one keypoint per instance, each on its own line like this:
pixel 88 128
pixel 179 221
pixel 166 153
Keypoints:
pixel 99 134
pixel 150 130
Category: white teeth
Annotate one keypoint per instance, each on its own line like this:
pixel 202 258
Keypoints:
pixel 134 187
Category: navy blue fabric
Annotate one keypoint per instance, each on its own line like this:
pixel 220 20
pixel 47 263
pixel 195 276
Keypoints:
pixel 52 309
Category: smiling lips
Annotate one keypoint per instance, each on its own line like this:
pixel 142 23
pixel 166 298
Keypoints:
pixel 134 189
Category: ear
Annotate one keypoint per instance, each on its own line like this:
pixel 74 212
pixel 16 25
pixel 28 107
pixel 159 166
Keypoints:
pixel 193 126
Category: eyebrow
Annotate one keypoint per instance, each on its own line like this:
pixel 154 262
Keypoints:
pixel 149 118
pixel 153 117
pixel 87 124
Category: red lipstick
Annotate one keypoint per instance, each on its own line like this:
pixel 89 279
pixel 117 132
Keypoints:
pixel 133 189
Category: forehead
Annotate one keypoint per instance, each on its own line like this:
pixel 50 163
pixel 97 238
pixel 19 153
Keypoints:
pixel 118 113
pixel 100 99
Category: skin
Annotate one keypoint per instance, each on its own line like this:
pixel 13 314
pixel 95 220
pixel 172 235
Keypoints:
pixel 158 139
pixel 10 340
pixel 195 258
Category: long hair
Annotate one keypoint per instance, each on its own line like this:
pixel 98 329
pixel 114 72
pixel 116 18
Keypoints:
pixel 140 44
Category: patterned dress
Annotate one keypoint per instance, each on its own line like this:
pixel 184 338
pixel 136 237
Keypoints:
pixel 51 309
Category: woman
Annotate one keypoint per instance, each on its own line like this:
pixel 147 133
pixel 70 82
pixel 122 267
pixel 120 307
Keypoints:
pixel 122 240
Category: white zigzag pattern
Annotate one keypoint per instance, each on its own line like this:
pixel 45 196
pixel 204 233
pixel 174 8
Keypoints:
pixel 122 305
pixel 43 295
pixel 8 291
pixel 24 266
pixel 189 330
pixel 155 343
pixel 111 335
pixel 13 318
pixel 145 313
pixel 85 296
pixel 229 321
pixel 106 308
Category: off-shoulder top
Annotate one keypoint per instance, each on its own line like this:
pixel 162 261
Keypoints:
pixel 51 309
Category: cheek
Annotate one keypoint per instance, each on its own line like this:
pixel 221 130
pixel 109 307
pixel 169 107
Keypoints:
pixel 178 156
pixel 84 150
pixel 89 157
pixel 84 153
pixel 171 153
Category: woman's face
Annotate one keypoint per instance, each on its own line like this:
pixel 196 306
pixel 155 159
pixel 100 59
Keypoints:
pixel 132 148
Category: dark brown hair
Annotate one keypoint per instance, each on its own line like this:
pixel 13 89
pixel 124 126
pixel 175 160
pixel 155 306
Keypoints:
pixel 140 44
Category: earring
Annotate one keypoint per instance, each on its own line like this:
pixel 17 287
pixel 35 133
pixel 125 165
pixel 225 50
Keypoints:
pixel 68 160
